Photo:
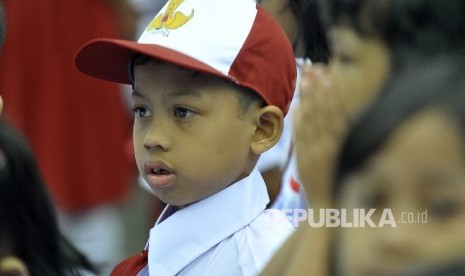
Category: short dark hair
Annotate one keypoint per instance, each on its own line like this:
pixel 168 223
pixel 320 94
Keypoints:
pixel 307 13
pixel 246 97
pixel 366 17
pixel 422 26
pixel 426 27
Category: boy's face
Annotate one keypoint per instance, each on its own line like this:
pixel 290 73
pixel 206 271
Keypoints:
pixel 420 175
pixel 190 139
pixel 359 65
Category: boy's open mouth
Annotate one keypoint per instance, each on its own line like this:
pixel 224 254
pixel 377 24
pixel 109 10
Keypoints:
pixel 159 175
pixel 161 172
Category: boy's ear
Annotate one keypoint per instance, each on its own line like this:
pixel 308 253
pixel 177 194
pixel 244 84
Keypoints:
pixel 269 122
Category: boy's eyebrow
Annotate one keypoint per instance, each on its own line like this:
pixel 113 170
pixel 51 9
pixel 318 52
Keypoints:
pixel 184 93
pixel 176 94
pixel 136 93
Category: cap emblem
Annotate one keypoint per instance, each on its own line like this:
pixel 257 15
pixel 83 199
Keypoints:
pixel 170 19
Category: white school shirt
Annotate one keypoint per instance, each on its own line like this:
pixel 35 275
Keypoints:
pixel 228 233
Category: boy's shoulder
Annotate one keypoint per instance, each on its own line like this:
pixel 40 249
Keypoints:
pixel 267 231
pixel 247 251
pixel 261 239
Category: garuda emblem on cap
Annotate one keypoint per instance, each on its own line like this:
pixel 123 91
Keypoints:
pixel 170 19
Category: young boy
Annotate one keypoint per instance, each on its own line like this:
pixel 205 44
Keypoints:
pixel 212 82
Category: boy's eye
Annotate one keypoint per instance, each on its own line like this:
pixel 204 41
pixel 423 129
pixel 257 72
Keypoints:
pixel 141 112
pixel 183 113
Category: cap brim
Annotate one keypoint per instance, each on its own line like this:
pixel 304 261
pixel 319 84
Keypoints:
pixel 109 59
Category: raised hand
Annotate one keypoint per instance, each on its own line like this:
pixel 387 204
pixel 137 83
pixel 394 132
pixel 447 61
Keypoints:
pixel 320 122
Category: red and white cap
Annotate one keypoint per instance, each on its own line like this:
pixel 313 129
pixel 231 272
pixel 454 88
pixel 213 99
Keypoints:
pixel 231 39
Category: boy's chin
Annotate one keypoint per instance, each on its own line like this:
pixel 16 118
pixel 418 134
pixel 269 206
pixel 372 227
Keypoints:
pixel 180 199
pixel 179 203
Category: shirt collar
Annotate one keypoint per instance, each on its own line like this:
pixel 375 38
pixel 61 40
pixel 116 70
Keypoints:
pixel 177 240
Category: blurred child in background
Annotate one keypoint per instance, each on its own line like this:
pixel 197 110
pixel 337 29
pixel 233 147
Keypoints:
pixel 86 161
pixel 366 41
pixel 407 155
pixel 369 41
pixel 404 154
pixel 30 240
pixel 308 40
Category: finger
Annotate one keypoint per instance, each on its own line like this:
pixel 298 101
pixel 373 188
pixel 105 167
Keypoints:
pixel 323 116
pixel 319 108
pixel 307 81
pixel 339 117
pixel 303 131
pixel 311 86
pixel 304 120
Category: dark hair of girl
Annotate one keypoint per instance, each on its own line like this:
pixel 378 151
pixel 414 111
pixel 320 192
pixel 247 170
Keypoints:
pixel 312 31
pixel 426 27
pixel 28 221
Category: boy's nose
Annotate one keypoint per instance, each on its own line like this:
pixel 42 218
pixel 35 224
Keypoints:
pixel 157 138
